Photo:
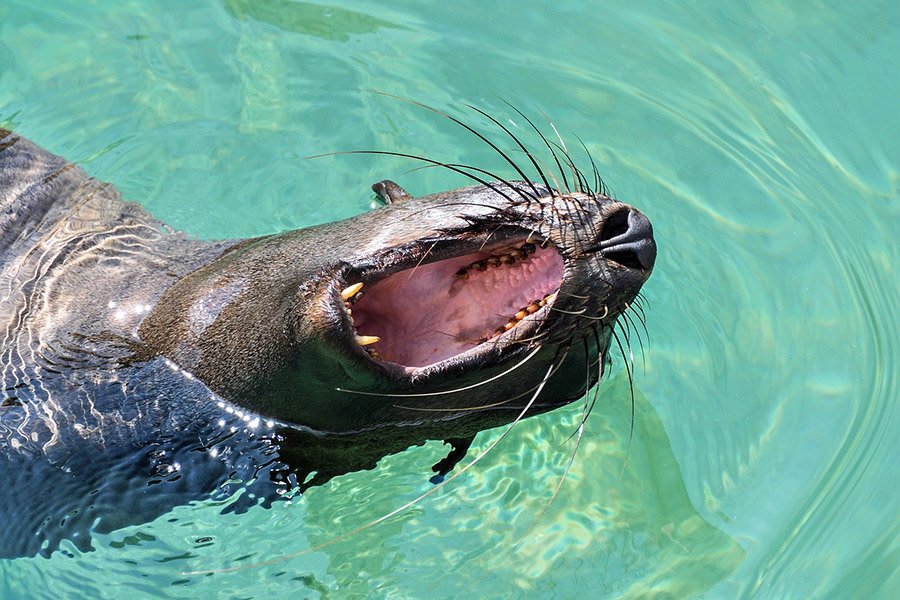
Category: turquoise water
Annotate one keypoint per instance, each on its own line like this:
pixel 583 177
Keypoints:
pixel 763 142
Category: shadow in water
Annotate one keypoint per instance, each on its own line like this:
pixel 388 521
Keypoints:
pixel 326 22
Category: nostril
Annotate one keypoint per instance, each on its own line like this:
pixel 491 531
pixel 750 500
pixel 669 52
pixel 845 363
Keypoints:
pixel 615 225
pixel 627 238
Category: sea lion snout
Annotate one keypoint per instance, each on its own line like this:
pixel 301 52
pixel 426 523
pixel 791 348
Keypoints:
pixel 627 238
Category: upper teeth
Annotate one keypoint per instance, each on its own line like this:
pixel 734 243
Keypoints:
pixel 509 258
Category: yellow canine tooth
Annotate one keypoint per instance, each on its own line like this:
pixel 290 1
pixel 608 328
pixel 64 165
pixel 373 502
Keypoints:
pixel 350 291
pixel 365 340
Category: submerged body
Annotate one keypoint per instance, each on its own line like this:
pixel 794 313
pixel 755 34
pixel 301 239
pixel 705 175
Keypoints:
pixel 142 368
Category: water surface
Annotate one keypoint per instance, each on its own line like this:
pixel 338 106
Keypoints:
pixel 762 141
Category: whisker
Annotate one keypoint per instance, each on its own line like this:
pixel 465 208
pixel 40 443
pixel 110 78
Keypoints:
pixel 598 182
pixel 546 142
pixel 444 392
pixel 569 312
pixel 559 483
pixel 600 368
pixel 579 433
pixel 521 145
pixel 642 317
pixel 421 260
pixel 578 296
pixel 528 199
pixel 577 176
pixel 474 131
pixel 637 332
pixel 537 337
pixel 591 317
pixel 482 407
pixel 416 157
pixel 587 385
pixel 640 296
pixel 631 390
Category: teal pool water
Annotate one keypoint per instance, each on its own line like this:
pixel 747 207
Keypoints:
pixel 764 143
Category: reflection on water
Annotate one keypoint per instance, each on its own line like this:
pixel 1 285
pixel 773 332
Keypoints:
pixel 331 23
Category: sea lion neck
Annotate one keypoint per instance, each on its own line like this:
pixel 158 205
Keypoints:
pixel 229 321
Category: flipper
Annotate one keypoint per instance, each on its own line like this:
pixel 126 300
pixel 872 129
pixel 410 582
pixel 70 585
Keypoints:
pixel 456 454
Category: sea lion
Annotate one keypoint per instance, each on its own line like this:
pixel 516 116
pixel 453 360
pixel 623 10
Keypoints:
pixel 128 347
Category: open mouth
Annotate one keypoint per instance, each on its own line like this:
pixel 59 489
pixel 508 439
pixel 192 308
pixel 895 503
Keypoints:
pixel 431 312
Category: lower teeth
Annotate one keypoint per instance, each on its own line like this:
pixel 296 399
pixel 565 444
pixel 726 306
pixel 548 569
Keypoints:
pixel 521 314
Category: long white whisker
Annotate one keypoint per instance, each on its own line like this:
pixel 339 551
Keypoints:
pixel 562 479
pixel 453 391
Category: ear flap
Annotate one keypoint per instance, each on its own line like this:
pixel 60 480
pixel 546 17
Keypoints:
pixel 389 192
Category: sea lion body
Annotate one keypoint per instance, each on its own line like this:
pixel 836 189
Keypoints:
pixel 127 346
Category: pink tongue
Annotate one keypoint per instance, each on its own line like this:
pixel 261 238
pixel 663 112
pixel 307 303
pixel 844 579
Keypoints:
pixel 428 314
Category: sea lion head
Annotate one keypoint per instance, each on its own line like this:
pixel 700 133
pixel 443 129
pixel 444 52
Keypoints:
pixel 461 307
